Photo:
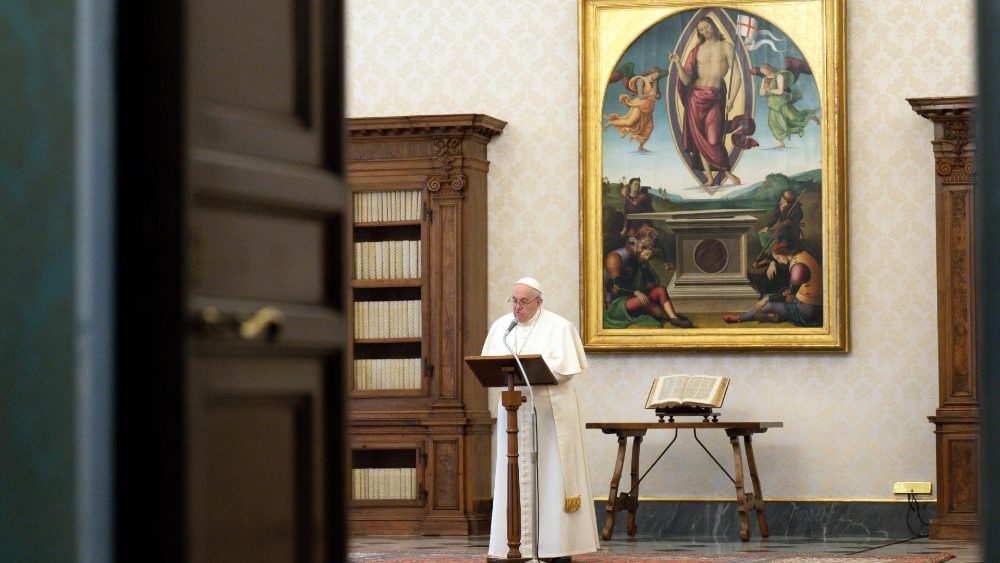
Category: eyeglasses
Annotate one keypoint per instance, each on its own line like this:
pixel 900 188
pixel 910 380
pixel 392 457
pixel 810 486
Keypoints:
pixel 522 302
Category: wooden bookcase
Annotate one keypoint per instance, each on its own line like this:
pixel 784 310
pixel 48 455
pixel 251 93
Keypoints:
pixel 419 421
pixel 957 419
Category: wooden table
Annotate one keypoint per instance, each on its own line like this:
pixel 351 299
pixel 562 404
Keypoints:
pixel 745 501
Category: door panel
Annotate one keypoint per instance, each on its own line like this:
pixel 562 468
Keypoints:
pixel 255 84
pixel 251 253
pixel 262 74
pixel 229 285
pixel 264 282
pixel 258 497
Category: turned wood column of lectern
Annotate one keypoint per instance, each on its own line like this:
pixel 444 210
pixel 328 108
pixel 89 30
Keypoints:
pixel 502 371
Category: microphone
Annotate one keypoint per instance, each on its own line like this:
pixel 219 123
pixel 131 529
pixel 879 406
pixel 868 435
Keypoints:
pixel 511 326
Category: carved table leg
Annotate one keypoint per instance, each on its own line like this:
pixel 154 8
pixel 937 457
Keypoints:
pixel 633 501
pixel 758 497
pixel 741 499
pixel 616 477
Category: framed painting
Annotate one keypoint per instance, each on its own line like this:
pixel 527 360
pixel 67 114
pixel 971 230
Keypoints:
pixel 713 175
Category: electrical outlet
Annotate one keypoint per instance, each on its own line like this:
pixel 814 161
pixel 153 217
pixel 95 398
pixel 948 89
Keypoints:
pixel 911 487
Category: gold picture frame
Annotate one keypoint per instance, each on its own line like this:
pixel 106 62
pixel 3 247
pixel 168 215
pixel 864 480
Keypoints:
pixel 713 175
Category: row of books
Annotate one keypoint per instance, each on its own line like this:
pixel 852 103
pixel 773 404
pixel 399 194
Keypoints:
pixel 388 319
pixel 397 205
pixel 387 373
pixel 384 483
pixel 387 259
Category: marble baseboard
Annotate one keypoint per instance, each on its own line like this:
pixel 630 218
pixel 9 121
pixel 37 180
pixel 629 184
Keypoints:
pixel 809 519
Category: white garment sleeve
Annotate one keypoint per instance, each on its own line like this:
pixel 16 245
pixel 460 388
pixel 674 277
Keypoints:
pixel 565 356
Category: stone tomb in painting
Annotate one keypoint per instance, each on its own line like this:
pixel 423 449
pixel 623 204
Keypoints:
pixel 712 262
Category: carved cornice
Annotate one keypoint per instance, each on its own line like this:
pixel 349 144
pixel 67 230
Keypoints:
pixel 939 109
pixel 448 135
pixel 954 143
pixel 479 125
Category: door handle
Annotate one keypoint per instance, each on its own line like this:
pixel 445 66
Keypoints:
pixel 265 323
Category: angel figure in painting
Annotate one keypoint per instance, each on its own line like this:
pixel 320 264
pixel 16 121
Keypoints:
pixel 784 119
pixel 637 122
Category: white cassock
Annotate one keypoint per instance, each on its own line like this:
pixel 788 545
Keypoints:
pixel 564 480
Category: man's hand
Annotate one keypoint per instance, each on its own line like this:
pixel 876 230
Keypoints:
pixel 772 268
pixel 642 297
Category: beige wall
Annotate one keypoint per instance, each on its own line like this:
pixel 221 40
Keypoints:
pixel 854 423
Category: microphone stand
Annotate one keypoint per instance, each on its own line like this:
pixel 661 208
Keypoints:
pixel 534 447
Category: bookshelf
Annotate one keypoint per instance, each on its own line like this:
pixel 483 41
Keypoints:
pixel 957 420
pixel 419 422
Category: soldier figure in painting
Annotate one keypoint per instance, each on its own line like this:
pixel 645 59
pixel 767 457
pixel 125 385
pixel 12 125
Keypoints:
pixel 633 294
pixel 801 303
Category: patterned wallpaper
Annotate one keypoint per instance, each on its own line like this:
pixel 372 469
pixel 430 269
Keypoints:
pixel 854 423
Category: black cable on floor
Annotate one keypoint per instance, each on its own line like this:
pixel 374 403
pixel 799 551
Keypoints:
pixel 912 506
pixel 884 545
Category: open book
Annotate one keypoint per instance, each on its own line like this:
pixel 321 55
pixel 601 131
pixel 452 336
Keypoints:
pixel 687 390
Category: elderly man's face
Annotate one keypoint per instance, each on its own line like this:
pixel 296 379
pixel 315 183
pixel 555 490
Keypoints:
pixel 524 302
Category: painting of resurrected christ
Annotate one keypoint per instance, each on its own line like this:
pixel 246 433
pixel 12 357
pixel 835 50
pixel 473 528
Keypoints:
pixel 713 174
pixel 704 94
pixel 711 109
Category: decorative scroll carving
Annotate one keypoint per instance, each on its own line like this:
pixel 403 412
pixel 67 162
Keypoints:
pixel 955 162
pixel 447 153
pixel 957 170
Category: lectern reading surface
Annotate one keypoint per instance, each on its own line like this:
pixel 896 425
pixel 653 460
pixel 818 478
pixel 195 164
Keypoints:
pixel 491 371
pixel 502 371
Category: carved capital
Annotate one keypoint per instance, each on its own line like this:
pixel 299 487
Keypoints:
pixel 456 182
pixel 954 136
pixel 956 170
pixel 447 155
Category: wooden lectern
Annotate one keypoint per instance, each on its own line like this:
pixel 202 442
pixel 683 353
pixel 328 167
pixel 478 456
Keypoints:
pixel 502 371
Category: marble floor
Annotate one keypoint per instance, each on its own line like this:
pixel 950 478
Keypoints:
pixel 964 551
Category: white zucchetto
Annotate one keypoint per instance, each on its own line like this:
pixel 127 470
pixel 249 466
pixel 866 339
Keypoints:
pixel 530 282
